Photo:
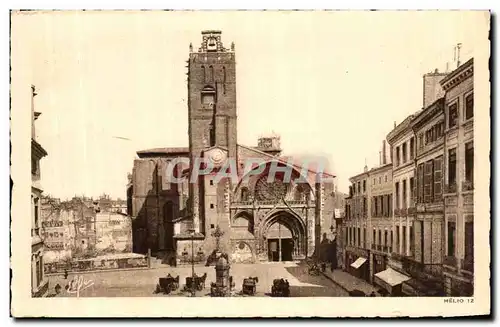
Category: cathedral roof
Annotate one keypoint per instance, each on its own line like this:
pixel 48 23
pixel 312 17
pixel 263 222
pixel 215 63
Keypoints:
pixel 163 151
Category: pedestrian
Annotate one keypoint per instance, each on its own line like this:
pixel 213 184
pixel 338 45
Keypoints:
pixel 323 267
pixel 372 294
pixel 65 273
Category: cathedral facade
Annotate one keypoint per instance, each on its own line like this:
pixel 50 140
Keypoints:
pixel 253 217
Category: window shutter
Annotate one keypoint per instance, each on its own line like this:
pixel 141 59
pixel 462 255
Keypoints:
pixel 427 181
pixel 438 178
pixel 420 182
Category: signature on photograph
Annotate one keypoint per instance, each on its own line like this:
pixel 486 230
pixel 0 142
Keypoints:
pixel 78 284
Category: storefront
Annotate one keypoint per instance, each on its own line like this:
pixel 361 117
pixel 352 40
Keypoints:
pixel 357 264
pixel 391 281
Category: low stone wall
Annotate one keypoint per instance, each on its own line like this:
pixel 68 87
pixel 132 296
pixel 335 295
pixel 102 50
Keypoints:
pixel 94 264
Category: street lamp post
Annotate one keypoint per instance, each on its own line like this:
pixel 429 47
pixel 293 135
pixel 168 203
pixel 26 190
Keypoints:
pixel 193 290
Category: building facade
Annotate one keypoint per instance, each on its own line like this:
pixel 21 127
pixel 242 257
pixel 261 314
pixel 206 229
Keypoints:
pixel 356 226
pixel 255 220
pixel 39 283
pixel 380 217
pixel 458 170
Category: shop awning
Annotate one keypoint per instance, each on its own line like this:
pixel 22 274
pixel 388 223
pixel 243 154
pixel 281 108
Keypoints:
pixel 358 263
pixel 392 277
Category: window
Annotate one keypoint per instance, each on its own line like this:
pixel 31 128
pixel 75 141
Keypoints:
pixel 210 74
pixel 404 239
pixel 421 141
pixel 38 276
pixel 452 166
pixel 380 180
pixel 359 187
pixel 438 178
pixel 392 239
pixel 404 156
pixel 350 191
pixel 390 204
pixel 364 237
pixel 380 208
pixel 211 205
pixel 244 194
pixel 359 236
pixel 412 191
pixel 364 186
pixel 452 115
pixel 374 181
pixel 397 156
pixel 211 182
pixel 451 238
pixel 365 208
pixel 374 241
pixel 469 162
pixel 203 74
pixel 385 238
pixel 469 106
pixel 397 239
pixel 35 202
pixel 385 178
pixel 354 236
pixel 404 194
pixel 469 242
pixel 397 196
pixel 412 148
pixel 412 241
pixel 380 237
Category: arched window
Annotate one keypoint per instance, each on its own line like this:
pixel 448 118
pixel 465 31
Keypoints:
pixel 244 194
pixel 298 194
pixel 203 74
pixel 211 73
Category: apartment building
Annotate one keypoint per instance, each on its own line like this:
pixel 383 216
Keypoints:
pixel 458 264
pixel 380 218
pixel 39 282
pixel 356 223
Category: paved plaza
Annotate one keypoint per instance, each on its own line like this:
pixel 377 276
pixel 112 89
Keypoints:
pixel 138 283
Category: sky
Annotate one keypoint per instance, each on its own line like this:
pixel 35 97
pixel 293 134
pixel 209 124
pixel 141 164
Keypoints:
pixel 329 83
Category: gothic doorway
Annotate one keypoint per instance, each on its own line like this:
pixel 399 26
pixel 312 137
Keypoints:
pixel 284 237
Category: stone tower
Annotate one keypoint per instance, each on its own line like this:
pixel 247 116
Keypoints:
pixel 211 105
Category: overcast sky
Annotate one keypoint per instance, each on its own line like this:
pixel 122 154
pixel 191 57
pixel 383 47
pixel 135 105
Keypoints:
pixel 330 83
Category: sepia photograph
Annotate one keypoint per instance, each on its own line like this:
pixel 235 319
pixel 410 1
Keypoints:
pixel 292 161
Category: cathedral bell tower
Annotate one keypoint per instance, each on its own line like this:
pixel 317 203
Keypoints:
pixel 211 105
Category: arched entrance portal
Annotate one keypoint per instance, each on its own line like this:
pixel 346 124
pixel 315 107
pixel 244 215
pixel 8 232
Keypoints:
pixel 284 236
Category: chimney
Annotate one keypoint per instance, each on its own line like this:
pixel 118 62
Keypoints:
pixel 432 89
pixel 384 153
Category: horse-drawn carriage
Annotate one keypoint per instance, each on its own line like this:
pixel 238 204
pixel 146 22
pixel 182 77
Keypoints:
pixel 280 288
pixel 167 284
pixel 198 283
pixel 250 285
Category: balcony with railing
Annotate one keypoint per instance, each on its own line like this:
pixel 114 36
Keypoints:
pixel 421 271
pixel 467 186
pixel 450 188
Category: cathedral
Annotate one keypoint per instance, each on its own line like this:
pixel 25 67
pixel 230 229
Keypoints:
pixel 282 219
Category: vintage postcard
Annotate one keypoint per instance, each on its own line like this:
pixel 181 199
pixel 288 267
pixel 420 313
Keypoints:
pixel 250 164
